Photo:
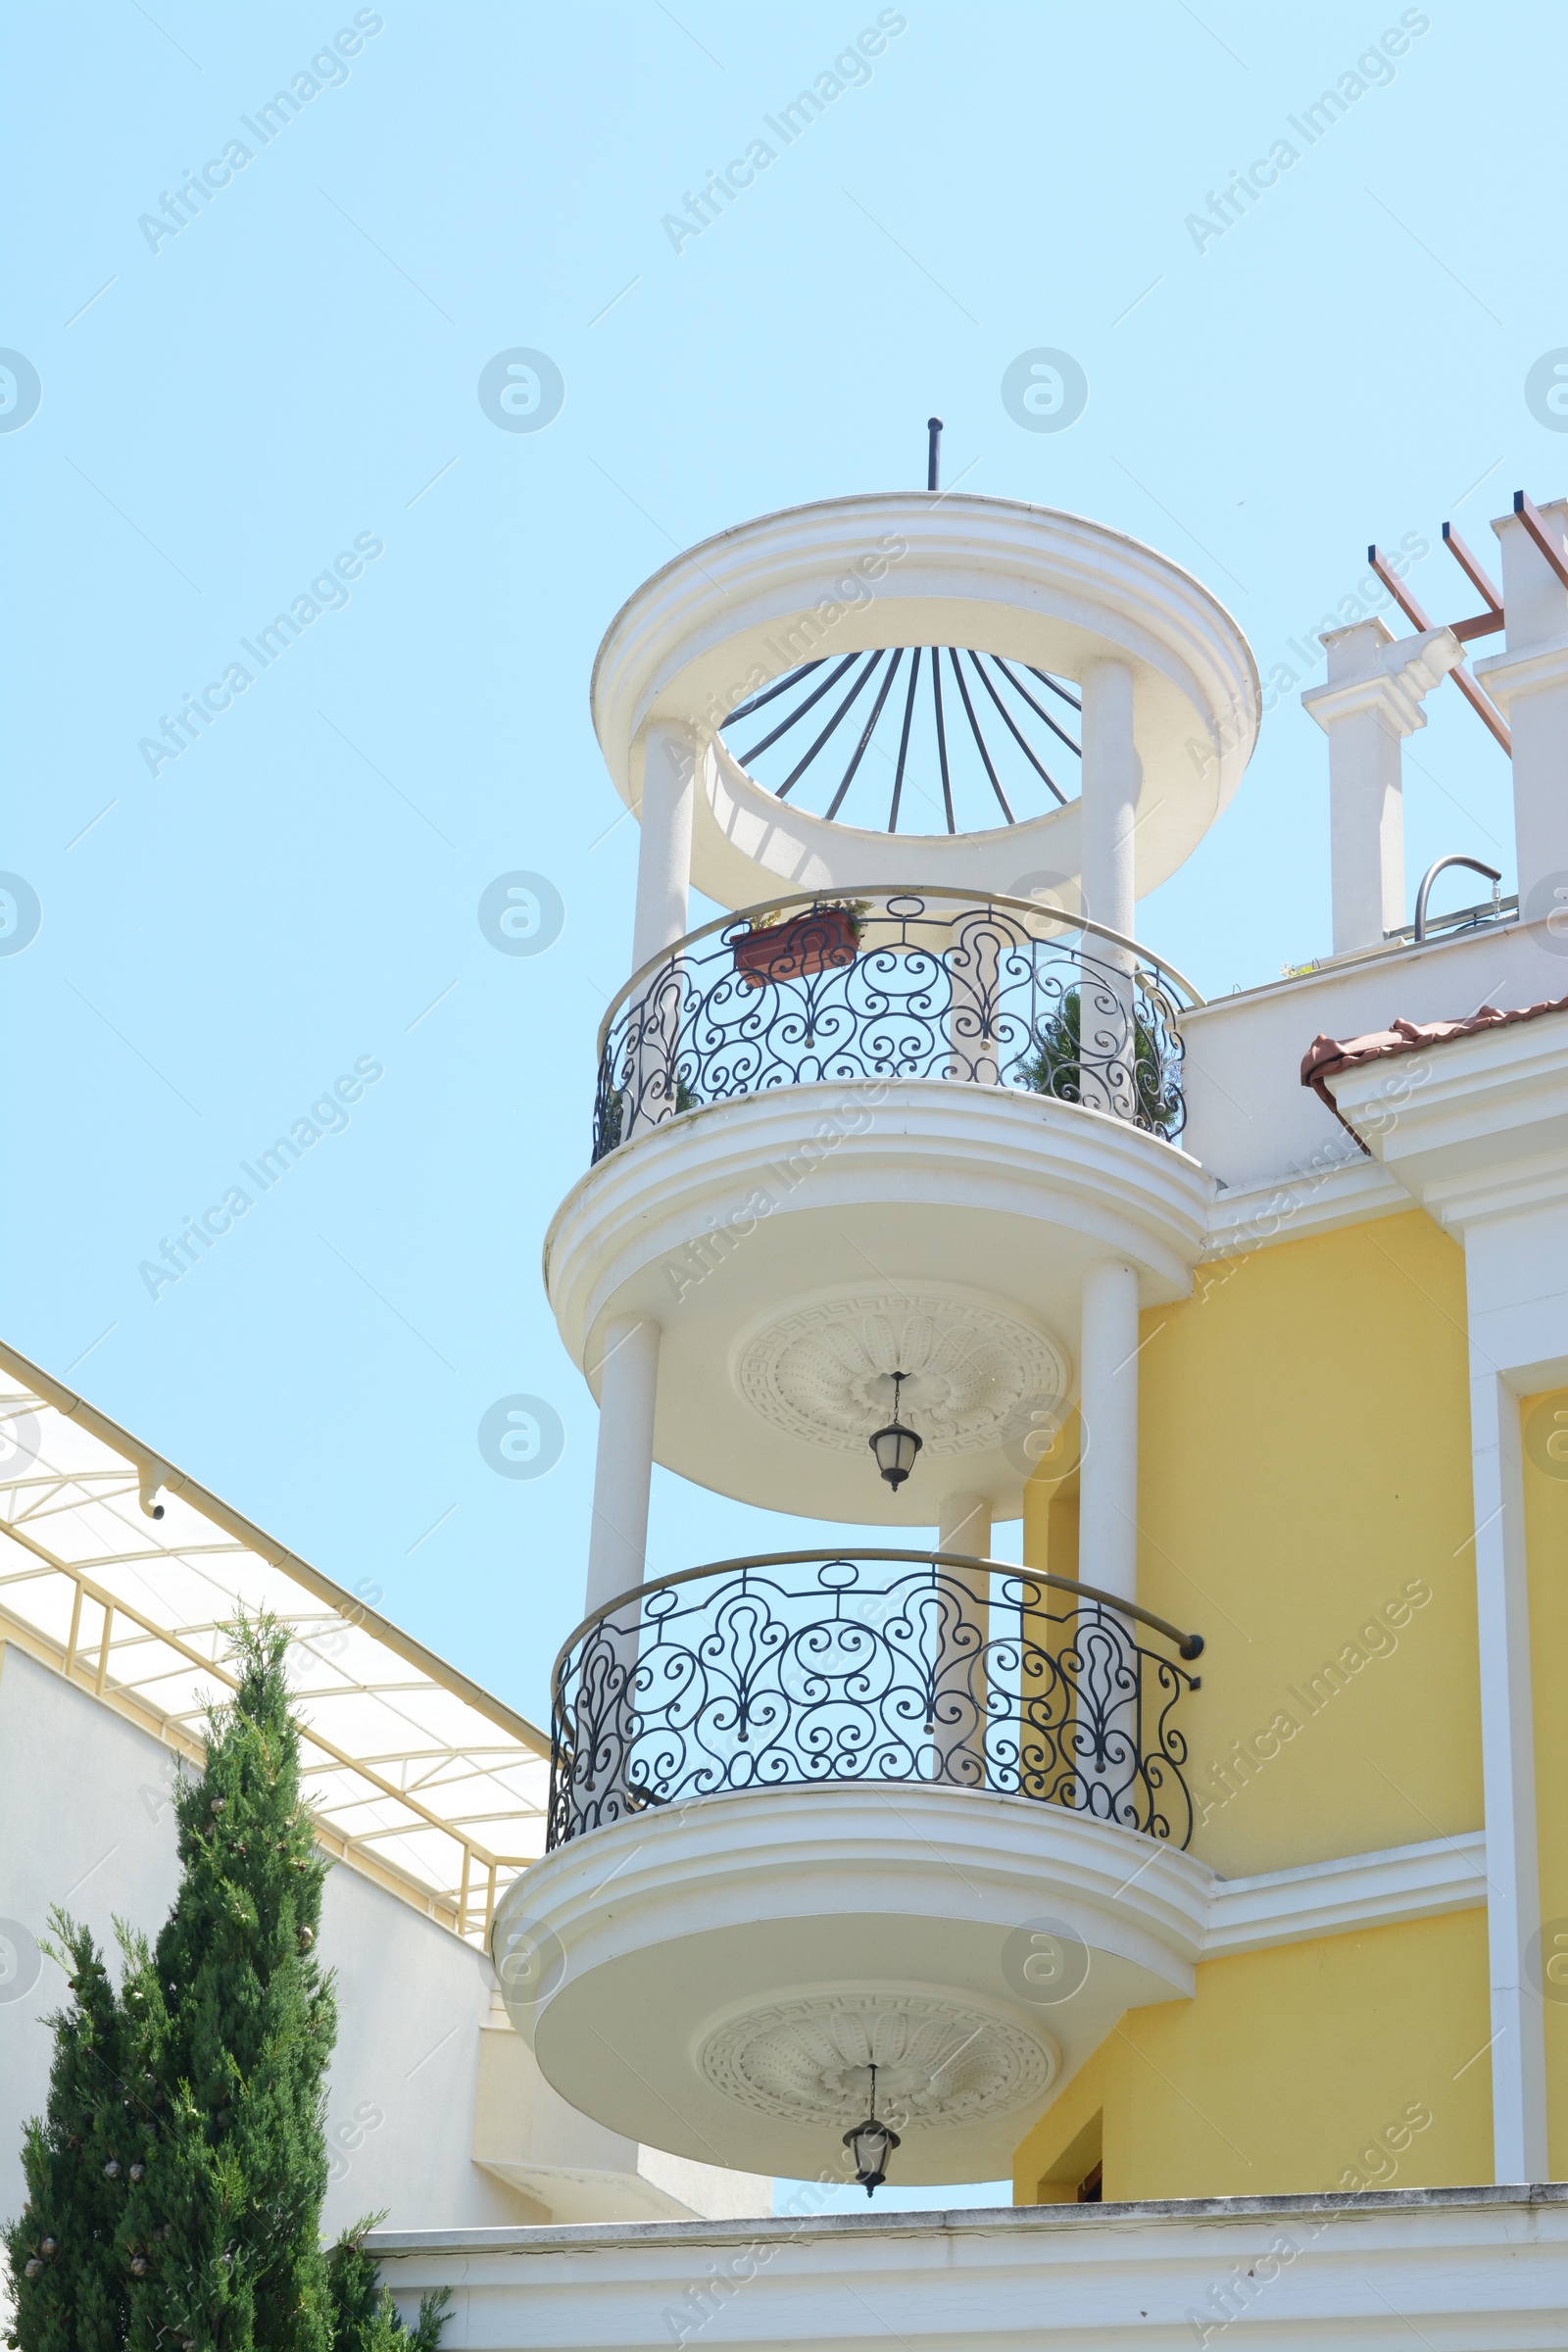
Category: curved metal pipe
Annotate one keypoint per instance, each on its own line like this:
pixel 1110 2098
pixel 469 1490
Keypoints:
pixel 1430 875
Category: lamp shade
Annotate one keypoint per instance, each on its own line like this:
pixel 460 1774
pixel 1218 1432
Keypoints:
pixel 895 1448
pixel 872 2144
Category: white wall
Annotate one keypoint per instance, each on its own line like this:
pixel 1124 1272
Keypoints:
pixel 87 1822
pixel 1249 1117
pixel 1468 2270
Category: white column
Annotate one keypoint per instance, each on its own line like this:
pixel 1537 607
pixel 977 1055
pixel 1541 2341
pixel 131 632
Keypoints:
pixel 1109 793
pixel 1371 701
pixel 1107 1051
pixel 965 1524
pixel 1529 685
pixel 961 1681
pixel 1508 1775
pixel 664 857
pixel 623 1465
pixel 1107 1505
pixel 652 1052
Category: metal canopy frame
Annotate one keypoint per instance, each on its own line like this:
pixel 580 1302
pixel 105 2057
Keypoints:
pixel 1016 709
pixel 121 1572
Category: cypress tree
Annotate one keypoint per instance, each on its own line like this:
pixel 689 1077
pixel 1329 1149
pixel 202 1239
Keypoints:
pixel 363 2315
pixel 175 2180
pixel 69 2279
pixel 220 2232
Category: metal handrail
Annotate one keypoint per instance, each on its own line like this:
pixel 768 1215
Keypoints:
pixel 1058 922
pixel 1429 876
pixel 1189 1645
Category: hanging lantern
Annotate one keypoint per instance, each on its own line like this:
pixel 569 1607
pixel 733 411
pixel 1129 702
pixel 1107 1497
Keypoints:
pixel 895 1447
pixel 872 2145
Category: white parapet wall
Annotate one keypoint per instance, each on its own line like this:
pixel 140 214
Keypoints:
pixel 1456 2270
pixel 434 2115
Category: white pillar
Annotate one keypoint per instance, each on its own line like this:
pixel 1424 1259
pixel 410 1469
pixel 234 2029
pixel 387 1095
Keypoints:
pixel 1109 794
pixel 964 1521
pixel 623 1466
pixel 1107 1505
pixel 1508 1777
pixel 1529 682
pixel 664 857
pixel 961 1680
pixel 1371 701
pixel 1107 1048
pixel 651 1057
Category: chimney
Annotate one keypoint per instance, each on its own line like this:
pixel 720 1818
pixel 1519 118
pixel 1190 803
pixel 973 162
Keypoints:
pixel 1529 682
pixel 1376 686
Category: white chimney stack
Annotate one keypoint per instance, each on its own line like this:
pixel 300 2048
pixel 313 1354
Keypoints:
pixel 1376 686
pixel 1529 683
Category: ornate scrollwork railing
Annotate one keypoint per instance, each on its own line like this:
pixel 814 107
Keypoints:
pixel 791 1670
pixel 894 984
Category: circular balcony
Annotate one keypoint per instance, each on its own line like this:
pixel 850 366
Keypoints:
pixel 894 984
pixel 811 1814
pixel 1005 602
pixel 805 1110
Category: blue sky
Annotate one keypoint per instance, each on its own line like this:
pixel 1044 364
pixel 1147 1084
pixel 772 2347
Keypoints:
pixel 295 374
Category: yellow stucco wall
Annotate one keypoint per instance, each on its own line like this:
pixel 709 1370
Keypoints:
pixel 1304 1502
pixel 1292 2070
pixel 1303 1476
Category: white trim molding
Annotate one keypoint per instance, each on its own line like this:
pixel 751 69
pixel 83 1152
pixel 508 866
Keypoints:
pixel 1352 1891
pixel 1345 1190
pixel 1457 2270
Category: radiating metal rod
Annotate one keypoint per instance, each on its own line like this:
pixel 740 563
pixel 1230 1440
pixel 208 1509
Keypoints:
pixel 805 762
pixel 1022 741
pixel 784 725
pixel 980 741
pixel 1019 687
pixel 942 737
pixel 869 729
pixel 791 677
pixel 1045 679
pixel 903 742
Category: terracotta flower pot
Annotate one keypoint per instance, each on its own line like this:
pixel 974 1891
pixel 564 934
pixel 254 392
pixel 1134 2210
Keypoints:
pixel 822 940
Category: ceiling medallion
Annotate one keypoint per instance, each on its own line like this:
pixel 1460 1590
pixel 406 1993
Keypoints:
pixel 938 2062
pixel 824 1371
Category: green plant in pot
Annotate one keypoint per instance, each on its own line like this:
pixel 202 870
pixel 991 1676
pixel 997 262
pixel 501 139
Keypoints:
pixel 1056 1066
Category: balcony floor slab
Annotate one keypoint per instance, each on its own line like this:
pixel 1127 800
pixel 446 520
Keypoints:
pixel 726 1219
pixel 678 1939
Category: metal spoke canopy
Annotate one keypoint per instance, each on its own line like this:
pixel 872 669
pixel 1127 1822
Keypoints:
pixel 940 738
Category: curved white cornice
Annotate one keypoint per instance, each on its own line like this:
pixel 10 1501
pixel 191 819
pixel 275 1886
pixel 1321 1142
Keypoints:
pixel 661 1929
pixel 1027 582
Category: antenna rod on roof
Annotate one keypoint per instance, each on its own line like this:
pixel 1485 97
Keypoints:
pixel 933 461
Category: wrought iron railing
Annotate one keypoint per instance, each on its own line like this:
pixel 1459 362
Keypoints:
pixel 894 984
pixel 794 1669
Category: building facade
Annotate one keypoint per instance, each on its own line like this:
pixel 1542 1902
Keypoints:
pixel 1205 1854
pixel 1216 1846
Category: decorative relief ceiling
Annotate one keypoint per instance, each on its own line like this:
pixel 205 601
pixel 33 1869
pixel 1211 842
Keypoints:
pixel 938 2062
pixel 824 1371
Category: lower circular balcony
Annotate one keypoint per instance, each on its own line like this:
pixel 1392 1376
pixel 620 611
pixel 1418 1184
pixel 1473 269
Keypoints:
pixel 813 1815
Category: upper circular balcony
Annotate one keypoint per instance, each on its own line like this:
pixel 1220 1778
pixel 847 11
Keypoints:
pixel 835 1141
pixel 966 745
